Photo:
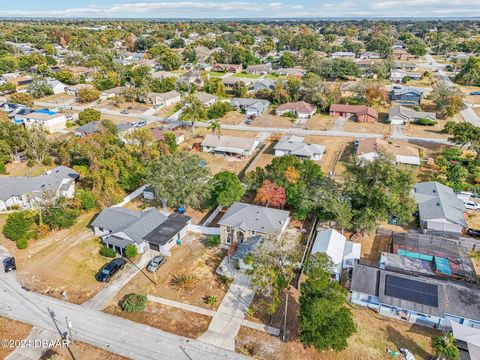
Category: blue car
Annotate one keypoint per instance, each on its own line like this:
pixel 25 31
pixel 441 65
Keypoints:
pixel 475 93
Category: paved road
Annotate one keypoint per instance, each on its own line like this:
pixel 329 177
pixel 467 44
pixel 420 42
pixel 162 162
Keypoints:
pixel 102 330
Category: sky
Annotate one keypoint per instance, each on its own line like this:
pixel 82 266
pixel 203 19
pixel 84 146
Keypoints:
pixel 238 9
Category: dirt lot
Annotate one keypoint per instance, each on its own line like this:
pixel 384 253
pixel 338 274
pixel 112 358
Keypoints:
pixel 375 334
pixel 320 122
pixel 58 98
pixel 372 128
pixel 49 265
pixel 12 330
pixel 334 147
pixel 167 318
pixel 232 118
pixel 191 258
pixel 133 107
pixel 82 351
pixel 471 99
pixel 427 131
pixel 272 121
pixel 166 111
pixel 21 169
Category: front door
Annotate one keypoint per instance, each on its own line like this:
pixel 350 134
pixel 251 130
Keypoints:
pixel 240 236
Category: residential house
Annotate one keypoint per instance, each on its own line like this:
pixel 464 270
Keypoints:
pixel 264 84
pixel 295 145
pixel 161 74
pixel 51 121
pixel 301 109
pixel 369 55
pixel 468 340
pixel 231 68
pixel 206 99
pixel 12 109
pixel 343 55
pixel 159 134
pixel 192 78
pixel 405 66
pixel 400 115
pixel 343 253
pixel 57 86
pixel 295 72
pixel 397 76
pixel 74 89
pixel 113 92
pixel 439 209
pixel 259 69
pixel 119 227
pixel 369 149
pixel 26 191
pixel 95 126
pixel 243 221
pixel 401 54
pixel 164 99
pixel 406 95
pixel 229 145
pixel 81 72
pixel 230 81
pixel 360 113
pixel 251 107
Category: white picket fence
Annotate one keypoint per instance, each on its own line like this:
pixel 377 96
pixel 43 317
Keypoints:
pixel 131 196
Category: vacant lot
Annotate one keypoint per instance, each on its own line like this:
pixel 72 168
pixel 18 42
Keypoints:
pixel 64 261
pixel 375 334
pixel 12 330
pixel 192 260
pixel 427 131
pixel 219 163
pixel 272 121
pixel 320 122
pixel 81 351
pixel 232 118
pixel 471 99
pixel 166 111
pixel 133 107
pixel 372 128
pixel 334 147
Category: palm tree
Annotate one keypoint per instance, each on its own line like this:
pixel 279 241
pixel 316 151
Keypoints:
pixel 193 110
pixel 215 126
pixel 445 348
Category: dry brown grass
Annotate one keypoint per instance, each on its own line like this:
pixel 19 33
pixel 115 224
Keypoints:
pixel 427 131
pixel 366 128
pixel 272 121
pixel 82 351
pixel 320 122
pixel 12 330
pixel 232 118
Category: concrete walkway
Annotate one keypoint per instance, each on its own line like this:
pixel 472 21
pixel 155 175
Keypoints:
pixel 338 124
pixel 227 320
pixel 99 301
pixel 199 310
pixel 397 130
pixel 35 345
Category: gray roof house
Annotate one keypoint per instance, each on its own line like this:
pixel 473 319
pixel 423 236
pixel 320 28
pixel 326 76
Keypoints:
pixel 439 209
pixel 244 221
pixel 252 107
pixel 264 84
pixel 399 115
pixel 148 229
pixel 24 191
pixel 95 126
pixel 259 69
pixel 229 145
pixel 295 145
pixel 206 98
pixel 406 95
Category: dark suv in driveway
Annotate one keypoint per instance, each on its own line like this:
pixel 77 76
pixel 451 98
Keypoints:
pixel 110 269
pixel 9 264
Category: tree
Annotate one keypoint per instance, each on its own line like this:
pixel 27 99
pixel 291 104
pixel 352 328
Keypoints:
pixel 377 190
pixel 335 68
pixel 239 89
pixel 65 77
pixel 449 100
pixel 134 303
pixel 37 144
pixel 215 126
pixel 39 88
pixel 464 133
pixel 86 199
pixel 445 348
pixel 325 322
pixel 372 92
pixel 87 95
pixel 287 60
pixel 22 98
pixel 193 109
pixel 179 179
pixel 380 43
pixel 226 188
pixel 214 86
pixel 59 216
pixel 88 115
pixel 470 72
pixel 163 85
pixel 131 251
pixel 18 225
pixel 270 194
pixel 168 59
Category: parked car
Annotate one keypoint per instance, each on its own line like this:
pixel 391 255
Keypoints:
pixel 110 269
pixel 156 262
pixel 475 93
pixel 470 205
pixel 474 233
pixel 124 111
pixel 9 264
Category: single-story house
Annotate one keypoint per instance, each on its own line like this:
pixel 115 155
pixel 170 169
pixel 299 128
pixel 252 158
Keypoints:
pixel 400 115
pixel 25 191
pixel 295 145
pixel 301 109
pixel 113 92
pixel 342 252
pixel 230 81
pixel 296 72
pixel 264 84
pixel 159 135
pixel 74 89
pixel 439 209
pixel 229 145
pixel 251 107
pixel 165 99
pixel 401 54
pixel 369 55
pixel 405 66
pixel 57 86
pixel 361 113
pixel 406 95
pixel 343 55
pixel 259 69
pixel 232 68
pixel 206 99
pixel 119 227
pixel 50 120
pixel 242 221
pixel 468 340
pixel 396 76
pixel 161 74
pixel 368 149
pixel 95 126
pixel 192 77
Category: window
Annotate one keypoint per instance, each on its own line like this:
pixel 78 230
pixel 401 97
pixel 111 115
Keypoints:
pixel 228 228
pixel 229 239
pixel 101 229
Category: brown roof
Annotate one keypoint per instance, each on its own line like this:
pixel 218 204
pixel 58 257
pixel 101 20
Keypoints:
pixel 298 106
pixel 376 144
pixel 359 110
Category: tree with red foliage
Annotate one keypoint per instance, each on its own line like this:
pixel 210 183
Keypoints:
pixel 270 194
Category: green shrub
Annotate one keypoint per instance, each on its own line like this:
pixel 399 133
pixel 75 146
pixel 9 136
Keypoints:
pixel 131 251
pixel 3 168
pixel 134 303
pixel 30 163
pixel 22 243
pixel 424 122
pixel 18 225
pixel 59 218
pixel 107 252
pixel 213 240
pixel 87 199
pixel 211 299
pixel 47 161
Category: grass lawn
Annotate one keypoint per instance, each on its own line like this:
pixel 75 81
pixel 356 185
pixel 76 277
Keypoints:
pixel 276 76
pixel 248 76
pixel 216 73
pixel 22 169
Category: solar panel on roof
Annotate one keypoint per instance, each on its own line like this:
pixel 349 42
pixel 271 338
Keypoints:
pixel 411 290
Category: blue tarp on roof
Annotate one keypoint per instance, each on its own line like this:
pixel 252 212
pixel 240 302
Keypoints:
pixel 443 265
pixel 414 255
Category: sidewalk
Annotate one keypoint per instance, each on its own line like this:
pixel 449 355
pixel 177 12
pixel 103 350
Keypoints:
pixel 34 345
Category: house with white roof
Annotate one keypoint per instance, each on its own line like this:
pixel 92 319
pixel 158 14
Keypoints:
pixel 51 121
pixel 369 149
pixel 57 86
pixel 342 252
pixel 229 145
pixel 295 145
pixel 343 55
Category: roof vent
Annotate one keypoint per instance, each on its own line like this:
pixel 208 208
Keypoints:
pixel 438 204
